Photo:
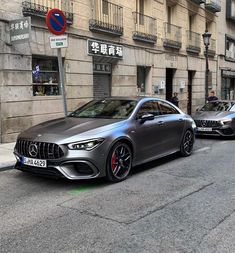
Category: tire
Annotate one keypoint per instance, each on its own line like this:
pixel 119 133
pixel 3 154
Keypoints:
pixel 186 146
pixel 119 162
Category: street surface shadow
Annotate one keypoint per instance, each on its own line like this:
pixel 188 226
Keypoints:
pixel 153 164
pixel 218 138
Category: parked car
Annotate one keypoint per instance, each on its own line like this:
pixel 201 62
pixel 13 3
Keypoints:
pixel 216 118
pixel 105 138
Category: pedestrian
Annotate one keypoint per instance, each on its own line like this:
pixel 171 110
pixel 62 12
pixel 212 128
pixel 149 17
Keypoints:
pixel 212 96
pixel 175 99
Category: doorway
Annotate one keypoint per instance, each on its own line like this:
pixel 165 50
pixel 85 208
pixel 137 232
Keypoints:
pixel 189 95
pixel 169 83
pixel 101 86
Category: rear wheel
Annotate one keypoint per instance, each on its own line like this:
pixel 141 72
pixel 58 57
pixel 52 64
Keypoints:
pixel 186 147
pixel 119 162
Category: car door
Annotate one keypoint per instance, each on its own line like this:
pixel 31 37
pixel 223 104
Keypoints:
pixel 149 134
pixel 173 126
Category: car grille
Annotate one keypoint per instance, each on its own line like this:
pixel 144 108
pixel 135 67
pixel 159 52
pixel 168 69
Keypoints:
pixel 208 123
pixel 44 150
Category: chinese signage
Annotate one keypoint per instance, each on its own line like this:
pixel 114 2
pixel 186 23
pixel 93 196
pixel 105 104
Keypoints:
pixel 59 41
pixel 102 68
pixel 104 49
pixel 228 73
pixel 20 30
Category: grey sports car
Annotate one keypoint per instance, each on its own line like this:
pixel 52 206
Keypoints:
pixel 216 118
pixel 105 138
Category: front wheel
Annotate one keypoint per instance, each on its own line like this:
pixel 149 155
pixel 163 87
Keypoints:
pixel 119 162
pixel 186 147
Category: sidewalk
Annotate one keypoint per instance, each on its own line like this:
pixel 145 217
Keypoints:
pixel 7 158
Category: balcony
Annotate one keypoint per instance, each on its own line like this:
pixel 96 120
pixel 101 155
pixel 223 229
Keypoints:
pixel 211 48
pixel 172 2
pixel 145 28
pixel 193 43
pixel 173 36
pixel 213 5
pixel 230 15
pixel 39 8
pixel 198 1
pixel 107 18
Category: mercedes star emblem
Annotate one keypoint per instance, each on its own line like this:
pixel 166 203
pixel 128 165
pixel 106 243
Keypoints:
pixel 33 150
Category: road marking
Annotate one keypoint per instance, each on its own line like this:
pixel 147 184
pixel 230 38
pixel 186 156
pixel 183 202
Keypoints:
pixel 202 149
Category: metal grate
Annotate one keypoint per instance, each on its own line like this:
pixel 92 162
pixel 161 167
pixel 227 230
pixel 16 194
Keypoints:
pixel 44 150
pixel 208 123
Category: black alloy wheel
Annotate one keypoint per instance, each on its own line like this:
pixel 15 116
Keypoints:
pixel 119 162
pixel 186 147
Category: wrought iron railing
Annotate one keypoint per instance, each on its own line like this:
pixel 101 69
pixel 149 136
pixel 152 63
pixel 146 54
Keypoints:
pixel 213 5
pixel 198 1
pixel 173 36
pixel 194 42
pixel 41 7
pixel 107 18
pixel 145 28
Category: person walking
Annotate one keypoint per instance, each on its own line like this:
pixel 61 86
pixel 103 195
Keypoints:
pixel 175 99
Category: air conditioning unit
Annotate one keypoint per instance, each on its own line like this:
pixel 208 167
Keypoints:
pixel 229 54
pixel 162 85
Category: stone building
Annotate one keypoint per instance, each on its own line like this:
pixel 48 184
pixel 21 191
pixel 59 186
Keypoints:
pixel 116 47
pixel 226 50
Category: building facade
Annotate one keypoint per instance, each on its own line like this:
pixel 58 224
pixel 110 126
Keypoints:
pixel 226 50
pixel 115 48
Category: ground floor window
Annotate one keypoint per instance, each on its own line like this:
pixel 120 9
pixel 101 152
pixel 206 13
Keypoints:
pixel 227 88
pixel 45 76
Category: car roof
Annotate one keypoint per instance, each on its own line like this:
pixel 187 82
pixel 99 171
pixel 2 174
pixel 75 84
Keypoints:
pixel 137 98
pixel 223 100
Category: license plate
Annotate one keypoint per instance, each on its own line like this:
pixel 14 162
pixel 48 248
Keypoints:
pixel 204 129
pixel 34 162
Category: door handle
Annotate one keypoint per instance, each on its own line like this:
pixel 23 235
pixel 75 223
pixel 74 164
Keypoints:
pixel 180 120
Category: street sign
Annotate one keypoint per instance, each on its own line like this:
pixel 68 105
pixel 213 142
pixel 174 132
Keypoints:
pixel 59 41
pixel 56 21
pixel 20 30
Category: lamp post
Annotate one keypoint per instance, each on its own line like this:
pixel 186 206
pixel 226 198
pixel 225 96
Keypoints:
pixel 206 39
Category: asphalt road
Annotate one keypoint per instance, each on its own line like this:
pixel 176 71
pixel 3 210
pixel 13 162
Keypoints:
pixel 171 205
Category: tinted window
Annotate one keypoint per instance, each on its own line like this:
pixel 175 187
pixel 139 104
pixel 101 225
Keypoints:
pixel 108 109
pixel 217 106
pixel 149 107
pixel 167 108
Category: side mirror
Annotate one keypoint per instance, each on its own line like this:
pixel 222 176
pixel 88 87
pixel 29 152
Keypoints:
pixel 146 117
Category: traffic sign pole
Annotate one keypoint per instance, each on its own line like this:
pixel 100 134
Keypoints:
pixel 61 72
pixel 56 22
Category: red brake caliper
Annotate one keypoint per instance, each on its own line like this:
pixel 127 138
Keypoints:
pixel 114 158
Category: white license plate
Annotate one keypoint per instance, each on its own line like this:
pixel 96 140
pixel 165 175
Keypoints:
pixel 34 162
pixel 204 129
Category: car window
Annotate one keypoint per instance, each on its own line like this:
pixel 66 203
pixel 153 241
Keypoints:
pixel 167 108
pixel 217 106
pixel 149 107
pixel 108 109
pixel 232 108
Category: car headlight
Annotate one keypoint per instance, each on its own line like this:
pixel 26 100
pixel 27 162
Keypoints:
pixel 86 144
pixel 226 121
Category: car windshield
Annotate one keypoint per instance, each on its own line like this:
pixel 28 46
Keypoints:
pixel 217 106
pixel 106 108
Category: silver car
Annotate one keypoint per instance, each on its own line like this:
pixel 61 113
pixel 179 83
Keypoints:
pixel 216 118
pixel 105 138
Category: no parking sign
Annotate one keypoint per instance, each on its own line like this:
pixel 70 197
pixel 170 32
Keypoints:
pixel 56 21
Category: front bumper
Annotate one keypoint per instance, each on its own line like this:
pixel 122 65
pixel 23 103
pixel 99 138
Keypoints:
pixel 73 168
pixel 216 131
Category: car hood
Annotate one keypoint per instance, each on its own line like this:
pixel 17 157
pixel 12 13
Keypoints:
pixel 211 115
pixel 61 130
